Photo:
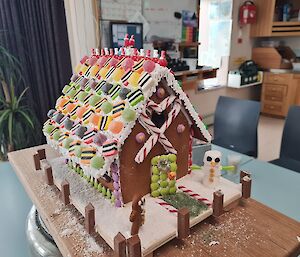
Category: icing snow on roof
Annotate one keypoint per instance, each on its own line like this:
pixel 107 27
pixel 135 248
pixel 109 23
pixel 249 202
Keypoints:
pixel 102 103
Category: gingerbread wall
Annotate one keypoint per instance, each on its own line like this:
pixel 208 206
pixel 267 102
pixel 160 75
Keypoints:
pixel 135 178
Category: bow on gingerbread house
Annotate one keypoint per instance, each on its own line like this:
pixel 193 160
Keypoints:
pixel 157 134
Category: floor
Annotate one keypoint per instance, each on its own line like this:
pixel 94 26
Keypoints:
pixel 12 232
pixel 15 206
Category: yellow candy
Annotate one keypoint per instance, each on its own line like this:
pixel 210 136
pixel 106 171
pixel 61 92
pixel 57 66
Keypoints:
pixel 78 67
pixel 134 79
pixel 103 71
pixel 118 74
pixel 84 68
pixel 94 70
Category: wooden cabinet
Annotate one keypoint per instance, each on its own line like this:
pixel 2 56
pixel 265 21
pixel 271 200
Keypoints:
pixel 266 26
pixel 279 92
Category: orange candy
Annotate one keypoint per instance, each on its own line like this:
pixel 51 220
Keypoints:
pixel 70 107
pixel 81 111
pixel 115 126
pixel 62 102
pixel 94 119
pixel 94 70
pixel 103 71
pixel 118 74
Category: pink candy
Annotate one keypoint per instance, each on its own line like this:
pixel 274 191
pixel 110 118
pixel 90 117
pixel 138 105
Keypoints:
pixel 128 64
pixel 113 62
pixel 149 66
pixel 161 92
pixel 102 61
pixel 140 137
pixel 180 128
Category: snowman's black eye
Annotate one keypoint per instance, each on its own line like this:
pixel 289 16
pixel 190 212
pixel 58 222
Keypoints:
pixel 217 160
pixel 209 159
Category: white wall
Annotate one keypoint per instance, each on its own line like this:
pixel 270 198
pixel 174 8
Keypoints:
pixel 81 23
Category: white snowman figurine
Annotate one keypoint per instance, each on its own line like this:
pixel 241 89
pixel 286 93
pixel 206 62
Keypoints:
pixel 211 168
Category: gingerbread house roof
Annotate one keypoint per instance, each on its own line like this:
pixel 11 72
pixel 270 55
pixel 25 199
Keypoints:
pixel 106 96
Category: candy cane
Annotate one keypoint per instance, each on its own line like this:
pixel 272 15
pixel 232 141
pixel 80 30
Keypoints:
pixel 163 105
pixel 195 195
pixel 159 132
pixel 167 206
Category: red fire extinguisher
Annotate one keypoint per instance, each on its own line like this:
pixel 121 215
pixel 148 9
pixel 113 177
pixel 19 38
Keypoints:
pixel 247 13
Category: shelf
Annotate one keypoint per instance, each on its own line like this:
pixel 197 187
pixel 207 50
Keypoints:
pixel 289 28
pixel 189 44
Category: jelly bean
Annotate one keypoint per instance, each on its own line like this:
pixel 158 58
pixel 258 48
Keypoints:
pixel 140 137
pixel 161 92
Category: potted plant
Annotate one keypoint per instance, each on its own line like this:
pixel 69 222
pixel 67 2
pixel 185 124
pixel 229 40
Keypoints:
pixel 17 121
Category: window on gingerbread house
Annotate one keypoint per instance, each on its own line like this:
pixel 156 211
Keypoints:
pixel 159 118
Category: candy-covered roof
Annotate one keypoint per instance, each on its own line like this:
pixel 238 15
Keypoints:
pixel 107 94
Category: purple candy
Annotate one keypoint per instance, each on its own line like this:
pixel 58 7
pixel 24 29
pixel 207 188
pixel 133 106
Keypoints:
pixel 117 194
pixel 115 177
pixel 118 203
pixel 114 167
pixel 116 185
pixel 99 139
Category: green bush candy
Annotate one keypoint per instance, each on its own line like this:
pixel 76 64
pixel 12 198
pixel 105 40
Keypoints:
pixel 95 184
pixel 81 173
pixel 113 198
pixel 81 96
pixel 97 162
pixel 164 183
pixel 91 183
pixel 56 135
pixel 78 169
pixel 155 170
pixel 172 183
pixel 173 166
pixel 163 176
pixel 164 191
pixel 163 157
pixel 154 160
pixel 67 142
pixel 48 128
pixel 155 193
pixel 65 89
pixel 154 178
pixel 72 92
pixel 172 190
pixel 172 157
pixel 154 186
pixel 106 107
pixel 128 115
pixel 103 191
pixel 99 187
pixel 94 99
pixel 108 194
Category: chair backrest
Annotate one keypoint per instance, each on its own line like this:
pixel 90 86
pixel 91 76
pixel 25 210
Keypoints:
pixel 236 122
pixel 290 142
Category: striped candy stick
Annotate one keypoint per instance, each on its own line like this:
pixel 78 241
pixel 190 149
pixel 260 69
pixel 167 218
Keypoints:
pixel 149 125
pixel 170 208
pixel 195 195
pixel 144 151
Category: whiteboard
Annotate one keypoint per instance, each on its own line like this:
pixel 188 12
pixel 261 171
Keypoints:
pixel 120 10
pixel 160 15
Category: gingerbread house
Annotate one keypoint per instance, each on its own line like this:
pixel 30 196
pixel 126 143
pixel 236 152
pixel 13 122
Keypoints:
pixel 122 121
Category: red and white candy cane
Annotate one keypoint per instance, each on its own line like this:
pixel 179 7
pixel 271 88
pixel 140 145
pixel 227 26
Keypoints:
pixel 157 133
pixel 170 208
pixel 161 106
pixel 195 195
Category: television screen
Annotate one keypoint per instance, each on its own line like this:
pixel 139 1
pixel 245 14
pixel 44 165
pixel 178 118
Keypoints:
pixel 120 29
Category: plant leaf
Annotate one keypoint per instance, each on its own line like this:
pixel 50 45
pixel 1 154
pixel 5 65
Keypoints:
pixel 10 127
pixel 21 96
pixel 26 117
